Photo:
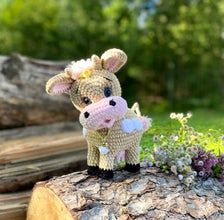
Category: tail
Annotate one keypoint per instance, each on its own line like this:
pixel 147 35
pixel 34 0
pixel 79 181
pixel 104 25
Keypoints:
pixel 136 109
pixel 146 121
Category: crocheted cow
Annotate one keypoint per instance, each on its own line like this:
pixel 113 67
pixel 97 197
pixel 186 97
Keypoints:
pixel 109 125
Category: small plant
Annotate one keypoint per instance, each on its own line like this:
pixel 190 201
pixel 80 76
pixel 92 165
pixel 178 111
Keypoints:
pixel 187 153
pixel 218 169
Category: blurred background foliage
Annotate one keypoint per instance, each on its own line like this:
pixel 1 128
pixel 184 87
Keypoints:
pixel 175 47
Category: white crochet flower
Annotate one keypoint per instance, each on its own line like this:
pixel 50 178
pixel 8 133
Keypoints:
pixel 74 69
pixel 104 150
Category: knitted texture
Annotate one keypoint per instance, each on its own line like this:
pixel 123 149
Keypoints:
pixel 110 127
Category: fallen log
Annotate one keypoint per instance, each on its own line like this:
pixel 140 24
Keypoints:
pixel 31 131
pixel 23 100
pixel 13 206
pixel 149 195
pixel 26 160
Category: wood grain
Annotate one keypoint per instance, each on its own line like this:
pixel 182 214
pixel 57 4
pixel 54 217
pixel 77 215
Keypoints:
pixel 23 100
pixel 13 206
pixel 27 160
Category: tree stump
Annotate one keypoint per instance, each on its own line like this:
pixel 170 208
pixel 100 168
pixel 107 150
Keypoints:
pixel 149 195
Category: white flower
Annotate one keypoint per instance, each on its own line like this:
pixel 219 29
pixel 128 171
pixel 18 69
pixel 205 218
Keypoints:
pixel 173 168
pixel 150 164
pixel 147 149
pixel 189 114
pixel 188 181
pixel 155 138
pixel 179 163
pixel 173 115
pixel 174 137
pixel 74 69
pixel 179 116
pixel 104 150
pixel 180 177
pixel 189 161
pixel 194 173
pixel 201 173
pixel 143 164
pixel 200 163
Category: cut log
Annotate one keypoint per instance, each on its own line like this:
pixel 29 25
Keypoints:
pixel 27 160
pixel 23 100
pixel 149 195
pixel 13 206
pixel 31 131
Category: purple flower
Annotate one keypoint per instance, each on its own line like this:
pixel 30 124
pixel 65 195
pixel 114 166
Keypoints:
pixel 200 163
pixel 210 162
pixel 203 163
pixel 201 173
pixel 150 164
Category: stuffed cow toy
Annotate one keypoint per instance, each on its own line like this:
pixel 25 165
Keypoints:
pixel 110 127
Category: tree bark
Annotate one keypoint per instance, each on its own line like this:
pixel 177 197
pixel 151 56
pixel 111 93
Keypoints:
pixel 23 100
pixel 39 154
pixel 149 195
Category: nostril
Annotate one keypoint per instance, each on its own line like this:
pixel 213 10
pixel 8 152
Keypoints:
pixel 86 114
pixel 112 102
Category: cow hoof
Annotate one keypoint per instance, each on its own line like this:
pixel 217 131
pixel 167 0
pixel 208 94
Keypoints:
pixel 133 168
pixel 106 174
pixel 93 170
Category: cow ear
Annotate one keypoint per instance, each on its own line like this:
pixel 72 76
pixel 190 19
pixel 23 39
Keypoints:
pixel 113 60
pixel 97 62
pixel 59 84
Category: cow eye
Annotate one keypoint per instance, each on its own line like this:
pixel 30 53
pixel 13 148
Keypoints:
pixel 107 91
pixel 86 100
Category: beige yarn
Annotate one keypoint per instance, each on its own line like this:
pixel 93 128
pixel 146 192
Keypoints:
pixel 115 139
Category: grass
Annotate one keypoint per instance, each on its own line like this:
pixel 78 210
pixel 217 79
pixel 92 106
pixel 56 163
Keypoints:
pixel 205 121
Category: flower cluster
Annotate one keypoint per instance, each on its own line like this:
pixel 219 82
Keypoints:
pixel 175 157
pixel 75 69
pixel 187 153
pixel 207 164
pixel 203 162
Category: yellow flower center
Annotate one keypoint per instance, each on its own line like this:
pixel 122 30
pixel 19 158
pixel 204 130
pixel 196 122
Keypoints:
pixel 85 74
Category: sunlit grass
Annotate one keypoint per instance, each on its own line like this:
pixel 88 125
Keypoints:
pixel 205 121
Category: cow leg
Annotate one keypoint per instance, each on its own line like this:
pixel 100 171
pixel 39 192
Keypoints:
pixel 106 165
pixel 93 160
pixel 132 159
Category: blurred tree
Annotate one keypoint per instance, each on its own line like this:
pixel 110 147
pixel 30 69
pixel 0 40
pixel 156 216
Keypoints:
pixel 175 47
pixel 186 47
pixel 50 29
